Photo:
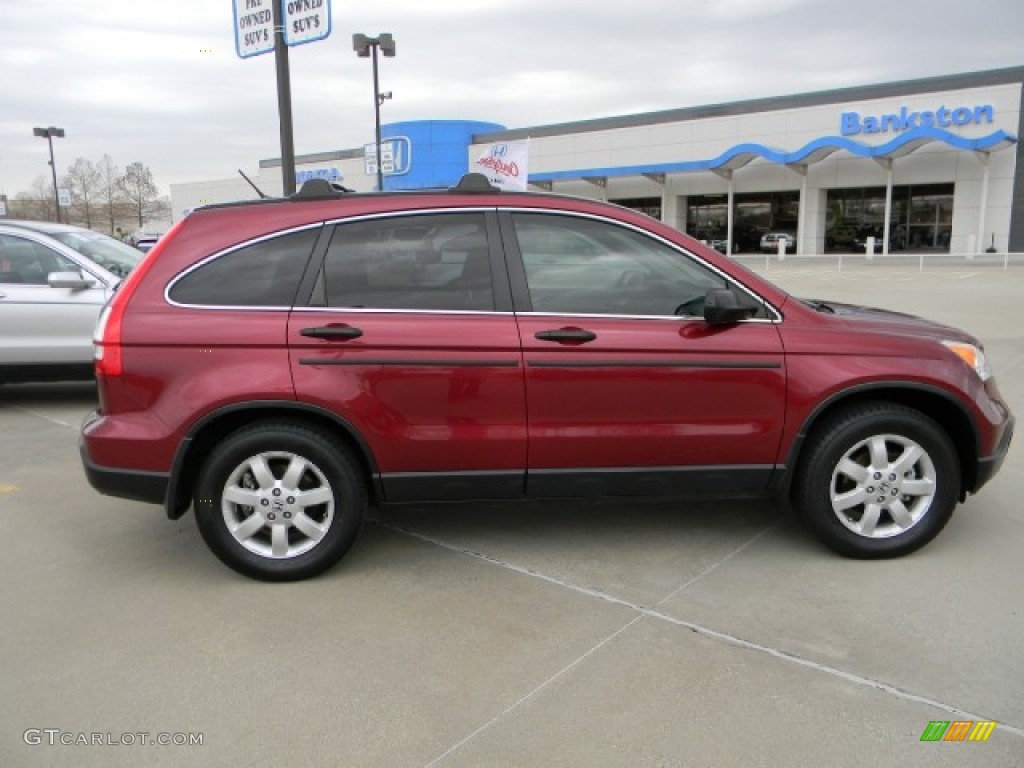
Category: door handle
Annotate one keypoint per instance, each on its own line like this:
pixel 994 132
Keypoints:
pixel 332 332
pixel 572 335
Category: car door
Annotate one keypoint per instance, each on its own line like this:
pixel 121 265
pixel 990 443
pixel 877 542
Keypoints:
pixel 628 389
pixel 408 335
pixel 41 324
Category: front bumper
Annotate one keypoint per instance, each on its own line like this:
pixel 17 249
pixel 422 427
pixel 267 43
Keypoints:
pixel 989 465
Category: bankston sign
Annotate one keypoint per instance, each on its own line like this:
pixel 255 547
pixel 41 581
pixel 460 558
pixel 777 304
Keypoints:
pixel 853 123
pixel 305 21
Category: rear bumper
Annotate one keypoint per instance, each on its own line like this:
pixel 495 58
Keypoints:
pixel 150 487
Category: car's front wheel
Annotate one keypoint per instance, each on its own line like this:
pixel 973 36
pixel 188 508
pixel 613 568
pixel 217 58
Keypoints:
pixel 878 480
pixel 279 501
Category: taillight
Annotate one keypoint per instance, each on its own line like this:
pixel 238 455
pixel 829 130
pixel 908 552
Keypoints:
pixel 105 348
pixel 107 338
pixel 107 357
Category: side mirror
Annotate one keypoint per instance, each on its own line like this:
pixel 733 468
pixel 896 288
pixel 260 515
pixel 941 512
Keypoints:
pixel 721 307
pixel 76 281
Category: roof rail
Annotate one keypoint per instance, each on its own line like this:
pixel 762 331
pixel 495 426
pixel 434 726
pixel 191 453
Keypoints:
pixel 319 189
pixel 475 183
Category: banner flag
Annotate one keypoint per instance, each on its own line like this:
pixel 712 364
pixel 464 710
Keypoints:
pixel 505 164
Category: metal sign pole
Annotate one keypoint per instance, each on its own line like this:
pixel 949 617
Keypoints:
pixel 284 102
pixel 53 169
pixel 376 122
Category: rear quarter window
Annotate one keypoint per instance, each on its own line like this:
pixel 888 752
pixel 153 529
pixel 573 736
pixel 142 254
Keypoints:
pixel 264 274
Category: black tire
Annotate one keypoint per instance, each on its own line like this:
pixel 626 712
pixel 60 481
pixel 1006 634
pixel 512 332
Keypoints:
pixel 310 535
pixel 917 497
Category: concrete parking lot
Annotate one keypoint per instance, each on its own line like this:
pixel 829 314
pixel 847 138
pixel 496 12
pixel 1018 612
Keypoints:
pixel 555 634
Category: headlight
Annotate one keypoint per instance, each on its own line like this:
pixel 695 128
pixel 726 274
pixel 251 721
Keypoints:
pixel 973 356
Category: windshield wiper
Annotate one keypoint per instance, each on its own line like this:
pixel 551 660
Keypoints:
pixel 819 306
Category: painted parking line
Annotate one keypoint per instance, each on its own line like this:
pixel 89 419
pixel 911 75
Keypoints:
pixel 654 613
pixel 39 415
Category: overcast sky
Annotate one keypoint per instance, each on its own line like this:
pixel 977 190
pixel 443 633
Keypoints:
pixel 160 82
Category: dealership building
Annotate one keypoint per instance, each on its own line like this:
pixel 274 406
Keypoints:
pixel 932 162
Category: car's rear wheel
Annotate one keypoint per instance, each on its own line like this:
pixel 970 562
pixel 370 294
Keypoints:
pixel 878 480
pixel 279 501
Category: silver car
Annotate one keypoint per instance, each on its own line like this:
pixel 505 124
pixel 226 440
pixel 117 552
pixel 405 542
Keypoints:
pixel 54 279
pixel 770 242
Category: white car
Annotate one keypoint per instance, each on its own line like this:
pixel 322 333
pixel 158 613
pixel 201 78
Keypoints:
pixel 54 279
pixel 770 242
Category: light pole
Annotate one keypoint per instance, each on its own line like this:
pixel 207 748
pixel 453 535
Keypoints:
pixel 365 46
pixel 49 133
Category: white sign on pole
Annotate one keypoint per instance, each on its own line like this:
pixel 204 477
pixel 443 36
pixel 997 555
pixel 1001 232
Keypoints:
pixel 370 159
pixel 387 159
pixel 506 164
pixel 64 197
pixel 3 207
pixel 396 156
pixel 254 27
pixel 306 21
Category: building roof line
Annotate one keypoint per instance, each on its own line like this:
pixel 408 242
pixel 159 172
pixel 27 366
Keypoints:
pixel 769 104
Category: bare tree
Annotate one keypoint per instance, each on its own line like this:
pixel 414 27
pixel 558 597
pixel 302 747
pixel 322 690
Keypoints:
pixel 161 208
pixel 100 193
pixel 139 190
pixel 37 201
pixel 110 188
pixel 84 181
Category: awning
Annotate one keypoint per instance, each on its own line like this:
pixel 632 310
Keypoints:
pixel 813 152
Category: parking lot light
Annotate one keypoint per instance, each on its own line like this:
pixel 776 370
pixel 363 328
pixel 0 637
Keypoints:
pixel 366 47
pixel 48 134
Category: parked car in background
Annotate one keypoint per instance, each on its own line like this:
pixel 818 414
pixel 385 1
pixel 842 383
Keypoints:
pixel 54 279
pixel 146 243
pixel 770 242
pixel 278 365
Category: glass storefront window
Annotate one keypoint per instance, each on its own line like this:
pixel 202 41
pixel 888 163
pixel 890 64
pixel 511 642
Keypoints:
pixel 755 214
pixel 649 205
pixel 922 217
pixel 706 217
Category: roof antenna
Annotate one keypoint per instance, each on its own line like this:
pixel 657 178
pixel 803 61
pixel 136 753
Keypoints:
pixel 258 190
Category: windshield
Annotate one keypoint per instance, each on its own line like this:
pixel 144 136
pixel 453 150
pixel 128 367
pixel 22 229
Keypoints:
pixel 114 256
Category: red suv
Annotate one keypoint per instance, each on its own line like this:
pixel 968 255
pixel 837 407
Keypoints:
pixel 278 365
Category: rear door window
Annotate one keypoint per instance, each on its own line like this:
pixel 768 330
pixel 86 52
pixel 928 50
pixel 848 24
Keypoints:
pixel 420 262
